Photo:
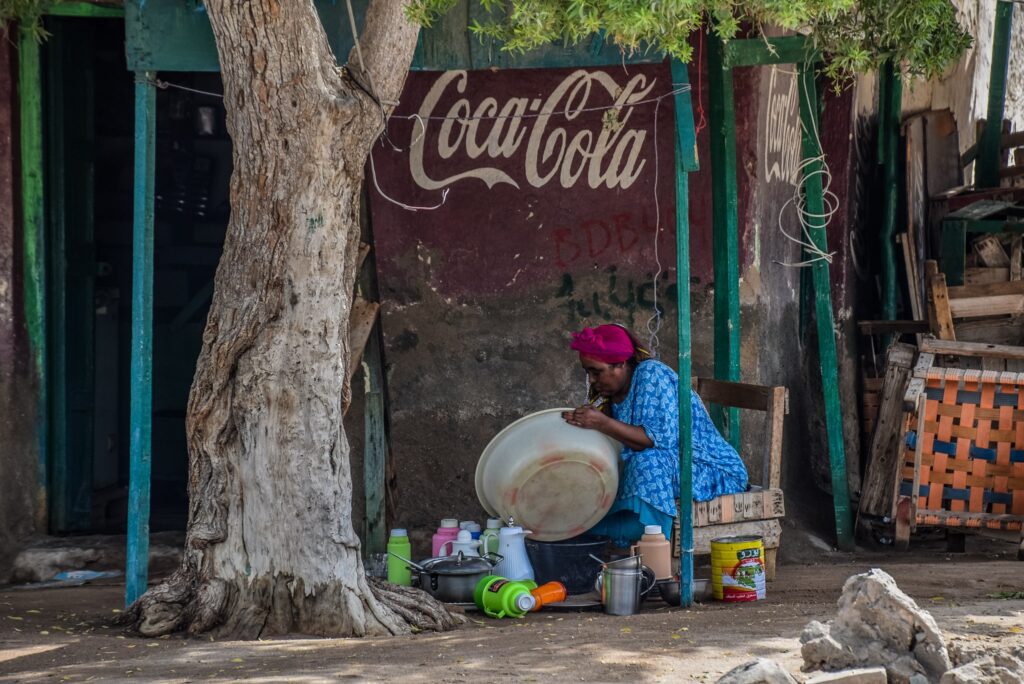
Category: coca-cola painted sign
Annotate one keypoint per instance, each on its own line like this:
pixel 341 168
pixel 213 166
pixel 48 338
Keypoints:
pixel 548 172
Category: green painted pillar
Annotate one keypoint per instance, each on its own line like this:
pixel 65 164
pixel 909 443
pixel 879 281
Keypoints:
pixel 137 568
pixel 725 242
pixel 890 94
pixel 686 161
pixel 30 114
pixel 986 173
pixel 812 181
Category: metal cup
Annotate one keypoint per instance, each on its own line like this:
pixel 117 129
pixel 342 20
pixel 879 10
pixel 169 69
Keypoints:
pixel 622 589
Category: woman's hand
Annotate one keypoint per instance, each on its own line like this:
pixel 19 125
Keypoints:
pixel 586 417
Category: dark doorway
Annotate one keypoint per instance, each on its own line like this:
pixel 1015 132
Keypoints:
pixel 90 137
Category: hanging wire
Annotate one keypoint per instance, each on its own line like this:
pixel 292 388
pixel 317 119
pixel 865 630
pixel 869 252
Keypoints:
pixel 809 168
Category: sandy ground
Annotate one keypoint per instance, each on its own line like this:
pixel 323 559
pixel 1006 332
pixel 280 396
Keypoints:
pixel 60 635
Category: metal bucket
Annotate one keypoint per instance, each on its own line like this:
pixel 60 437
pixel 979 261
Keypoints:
pixel 622 588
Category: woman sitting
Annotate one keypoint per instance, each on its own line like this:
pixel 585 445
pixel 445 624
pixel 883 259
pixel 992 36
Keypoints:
pixel 634 399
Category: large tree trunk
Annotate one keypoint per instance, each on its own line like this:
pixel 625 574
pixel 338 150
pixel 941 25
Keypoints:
pixel 270 545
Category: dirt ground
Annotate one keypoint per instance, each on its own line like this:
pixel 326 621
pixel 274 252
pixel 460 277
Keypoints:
pixel 59 634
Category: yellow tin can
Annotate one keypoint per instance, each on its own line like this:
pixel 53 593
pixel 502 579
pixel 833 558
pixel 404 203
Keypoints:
pixel 737 569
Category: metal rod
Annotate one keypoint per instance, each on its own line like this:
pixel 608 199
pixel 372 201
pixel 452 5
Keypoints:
pixel 137 564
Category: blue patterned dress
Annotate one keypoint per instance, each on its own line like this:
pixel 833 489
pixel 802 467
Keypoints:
pixel 650 479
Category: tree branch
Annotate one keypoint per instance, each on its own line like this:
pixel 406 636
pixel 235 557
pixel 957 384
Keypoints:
pixel 388 42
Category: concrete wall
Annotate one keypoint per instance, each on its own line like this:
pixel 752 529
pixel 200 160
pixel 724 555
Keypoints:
pixel 480 294
pixel 18 448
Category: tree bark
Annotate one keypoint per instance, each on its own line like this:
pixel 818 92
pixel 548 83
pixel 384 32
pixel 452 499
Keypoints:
pixel 270 546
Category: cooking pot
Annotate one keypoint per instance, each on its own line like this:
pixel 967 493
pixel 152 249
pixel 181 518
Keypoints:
pixel 452 579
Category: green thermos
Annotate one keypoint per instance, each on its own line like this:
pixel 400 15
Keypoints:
pixel 399 571
pixel 499 597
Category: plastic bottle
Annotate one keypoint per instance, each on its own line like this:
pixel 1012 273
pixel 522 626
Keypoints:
pixel 398 571
pixel 448 531
pixel 464 525
pixel 545 594
pixel 498 597
pixel 489 537
pixel 474 530
pixel 656 551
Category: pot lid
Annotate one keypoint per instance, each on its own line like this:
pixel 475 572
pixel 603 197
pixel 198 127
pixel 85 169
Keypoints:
pixel 457 565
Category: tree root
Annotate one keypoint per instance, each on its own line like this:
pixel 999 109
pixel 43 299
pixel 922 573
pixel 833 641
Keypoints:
pixel 420 610
pixel 181 603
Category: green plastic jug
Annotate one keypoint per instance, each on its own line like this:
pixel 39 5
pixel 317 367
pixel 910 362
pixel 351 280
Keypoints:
pixel 398 570
pixel 498 597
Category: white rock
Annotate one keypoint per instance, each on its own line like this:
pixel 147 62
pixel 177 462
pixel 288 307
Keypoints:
pixel 760 671
pixel 877 625
pixel 860 675
pixel 998 668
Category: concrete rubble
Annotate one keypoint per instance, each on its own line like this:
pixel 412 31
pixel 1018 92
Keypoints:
pixel 985 666
pixel 878 625
pixel 860 675
pixel 760 671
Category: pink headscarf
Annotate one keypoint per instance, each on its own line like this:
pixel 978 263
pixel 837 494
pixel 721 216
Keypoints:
pixel 607 343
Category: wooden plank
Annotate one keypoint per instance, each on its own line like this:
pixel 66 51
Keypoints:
pixel 892 327
pixel 942 150
pixel 913 292
pixel 1008 331
pixel 885 455
pixel 983 276
pixel 978 307
pixel 141 403
pixel 759 504
pixel 916 203
pixel 990 252
pixel 987 290
pixel 939 312
pixel 361 321
pixel 777 409
pixel 725 235
pixel 735 394
pixel 1015 256
pixel 975 349
pixel 770 532
pixel 1006 141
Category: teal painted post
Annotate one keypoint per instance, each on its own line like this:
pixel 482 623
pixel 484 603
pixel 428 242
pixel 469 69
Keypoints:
pixel 890 93
pixel 34 248
pixel 990 146
pixel 725 242
pixel 811 144
pixel 375 447
pixel 686 160
pixel 142 338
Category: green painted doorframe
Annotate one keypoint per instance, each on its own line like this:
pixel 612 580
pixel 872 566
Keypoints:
pixel 722 58
pixel 33 231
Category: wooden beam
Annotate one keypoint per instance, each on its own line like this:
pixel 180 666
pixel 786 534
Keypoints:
pixel 827 357
pixel 976 349
pixel 987 290
pixel 886 454
pixel 725 239
pixel 686 160
pixel 740 52
pixel 735 394
pixel 778 407
pixel 983 307
pixel 141 423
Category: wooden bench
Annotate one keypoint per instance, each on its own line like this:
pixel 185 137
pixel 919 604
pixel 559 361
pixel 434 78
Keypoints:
pixel 754 512
pixel 963 448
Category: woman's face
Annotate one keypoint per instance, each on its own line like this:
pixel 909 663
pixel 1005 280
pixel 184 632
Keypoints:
pixel 609 379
